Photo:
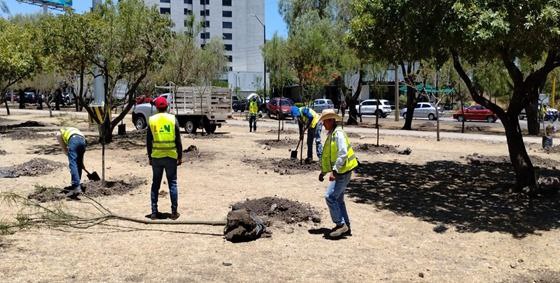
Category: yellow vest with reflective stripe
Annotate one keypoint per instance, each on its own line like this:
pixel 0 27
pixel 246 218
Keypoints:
pixel 253 108
pixel 328 159
pixel 162 126
pixel 313 113
pixel 68 132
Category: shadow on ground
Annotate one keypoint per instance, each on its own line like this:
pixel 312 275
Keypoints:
pixel 472 198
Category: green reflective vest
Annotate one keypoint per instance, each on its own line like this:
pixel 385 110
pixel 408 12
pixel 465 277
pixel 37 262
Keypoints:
pixel 253 108
pixel 68 132
pixel 330 151
pixel 162 126
pixel 313 113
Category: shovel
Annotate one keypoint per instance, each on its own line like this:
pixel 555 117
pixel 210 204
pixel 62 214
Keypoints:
pixel 93 176
pixel 293 153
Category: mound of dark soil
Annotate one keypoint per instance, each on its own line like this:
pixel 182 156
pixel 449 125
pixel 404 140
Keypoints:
pixel 283 142
pixel 90 188
pixel 478 159
pixel 284 132
pixel 208 136
pixel 25 124
pixel 284 166
pixel 27 135
pixel 279 209
pixel 46 149
pixel 123 142
pixel 33 167
pixel 382 149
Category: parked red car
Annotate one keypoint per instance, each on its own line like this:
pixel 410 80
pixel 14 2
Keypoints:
pixel 476 112
pixel 278 105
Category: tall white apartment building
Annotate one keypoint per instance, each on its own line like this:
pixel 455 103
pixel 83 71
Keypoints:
pixel 235 22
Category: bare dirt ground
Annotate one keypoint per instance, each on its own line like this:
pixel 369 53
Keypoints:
pixel 431 216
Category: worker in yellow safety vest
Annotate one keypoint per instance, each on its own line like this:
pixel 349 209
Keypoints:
pixel 253 111
pixel 164 153
pixel 73 143
pixel 338 161
pixel 308 120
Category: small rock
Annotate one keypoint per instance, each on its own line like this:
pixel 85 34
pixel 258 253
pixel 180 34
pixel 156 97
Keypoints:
pixel 289 230
pixel 513 266
pixel 265 172
pixel 273 207
pixel 440 228
pixel 226 263
pixel 421 275
pixel 520 260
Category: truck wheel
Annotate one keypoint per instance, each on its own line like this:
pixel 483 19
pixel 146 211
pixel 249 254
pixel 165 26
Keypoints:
pixel 190 127
pixel 140 123
pixel 210 128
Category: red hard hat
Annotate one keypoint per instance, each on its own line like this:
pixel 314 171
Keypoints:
pixel 160 102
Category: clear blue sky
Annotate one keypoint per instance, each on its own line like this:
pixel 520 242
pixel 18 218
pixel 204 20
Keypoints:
pixel 274 22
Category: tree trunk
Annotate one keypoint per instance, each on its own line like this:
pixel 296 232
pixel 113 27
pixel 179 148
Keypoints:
pixel 351 101
pixel 410 104
pixel 522 166
pixel 532 115
pixel 7 107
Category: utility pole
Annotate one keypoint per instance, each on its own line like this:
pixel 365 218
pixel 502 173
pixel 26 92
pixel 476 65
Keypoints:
pixel 264 58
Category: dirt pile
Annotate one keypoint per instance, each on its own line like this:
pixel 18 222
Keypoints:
pixel 46 149
pixel 26 124
pixel 243 226
pixel 283 132
pixel 208 136
pixel 33 167
pixel 283 142
pixel 27 134
pixel 382 149
pixel 554 149
pixel 90 188
pixel 272 209
pixel 284 166
pixel 478 159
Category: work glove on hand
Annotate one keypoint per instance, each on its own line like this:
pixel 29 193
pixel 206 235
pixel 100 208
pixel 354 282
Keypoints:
pixel 179 162
pixel 321 177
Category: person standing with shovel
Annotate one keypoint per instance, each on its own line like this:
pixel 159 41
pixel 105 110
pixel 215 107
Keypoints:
pixel 73 143
pixel 338 162
pixel 165 150
pixel 308 120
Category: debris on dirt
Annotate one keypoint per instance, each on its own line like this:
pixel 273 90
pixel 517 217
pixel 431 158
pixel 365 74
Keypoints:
pixel 280 209
pixel 548 186
pixel 382 149
pixel 478 159
pixel 537 276
pixel 33 167
pixel 284 166
pixel 25 124
pixel 46 149
pixel 208 136
pixel 283 132
pixel 554 149
pixel 354 135
pixel 440 228
pixel 26 134
pixel 122 143
pixel 3 152
pixel 192 153
pixel 243 226
pixel 284 142
pixel 477 128
pixel 90 188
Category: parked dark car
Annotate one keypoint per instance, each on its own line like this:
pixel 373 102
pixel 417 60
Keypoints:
pixel 239 104
pixel 30 97
pixel 277 105
pixel 476 112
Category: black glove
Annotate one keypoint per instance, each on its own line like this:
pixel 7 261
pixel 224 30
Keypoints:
pixel 321 177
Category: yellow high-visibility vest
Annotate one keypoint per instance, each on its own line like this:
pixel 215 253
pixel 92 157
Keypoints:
pixel 68 132
pixel 313 113
pixel 253 108
pixel 162 126
pixel 328 159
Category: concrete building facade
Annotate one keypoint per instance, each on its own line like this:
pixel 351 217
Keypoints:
pixel 235 23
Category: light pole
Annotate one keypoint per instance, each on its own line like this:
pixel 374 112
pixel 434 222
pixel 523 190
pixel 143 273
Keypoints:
pixel 264 58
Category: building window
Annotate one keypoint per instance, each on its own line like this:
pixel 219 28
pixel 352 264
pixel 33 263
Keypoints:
pixel 205 13
pixel 226 14
pixel 164 11
pixel 227 36
pixel 226 2
pixel 228 47
pixel 205 24
pixel 188 1
pixel 188 12
pixel 164 1
pixel 229 58
pixel 205 35
pixel 204 2
pixel 202 46
pixel 229 68
pixel 226 25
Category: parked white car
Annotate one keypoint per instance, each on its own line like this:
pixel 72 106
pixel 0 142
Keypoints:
pixel 369 107
pixel 423 110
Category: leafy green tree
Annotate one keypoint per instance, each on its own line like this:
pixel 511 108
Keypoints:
pixel 20 55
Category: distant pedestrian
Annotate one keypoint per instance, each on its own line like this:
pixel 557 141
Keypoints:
pixel 21 96
pixel 338 162
pixel 164 153
pixel 253 112
pixel 73 143
pixel 40 101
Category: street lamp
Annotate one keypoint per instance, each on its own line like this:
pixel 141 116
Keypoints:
pixel 264 58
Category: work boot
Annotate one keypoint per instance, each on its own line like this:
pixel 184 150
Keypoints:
pixel 174 215
pixel 339 231
pixel 74 192
pixel 308 160
pixel 154 216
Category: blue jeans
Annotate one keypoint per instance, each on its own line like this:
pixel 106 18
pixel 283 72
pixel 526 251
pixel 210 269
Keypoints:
pixel 170 166
pixel 252 122
pixel 314 134
pixel 335 199
pixel 76 151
